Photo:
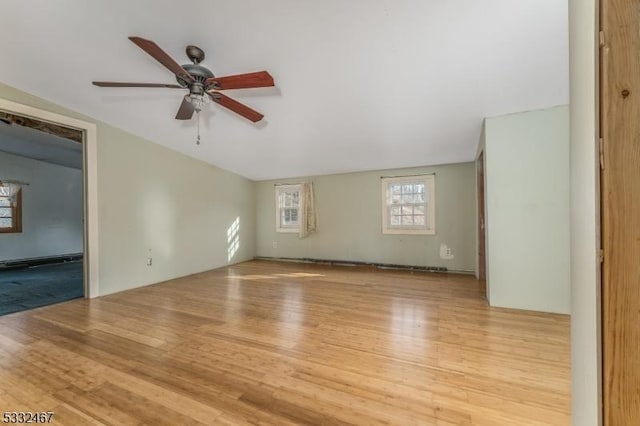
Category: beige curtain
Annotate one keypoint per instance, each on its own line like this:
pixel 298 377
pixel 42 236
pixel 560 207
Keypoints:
pixel 308 216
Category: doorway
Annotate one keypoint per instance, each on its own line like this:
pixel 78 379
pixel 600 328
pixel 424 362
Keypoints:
pixel 482 261
pixel 41 213
pixel 90 264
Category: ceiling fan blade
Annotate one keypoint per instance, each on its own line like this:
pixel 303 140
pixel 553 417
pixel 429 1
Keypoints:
pixel 160 55
pixel 115 84
pixel 241 81
pixel 186 110
pixel 235 106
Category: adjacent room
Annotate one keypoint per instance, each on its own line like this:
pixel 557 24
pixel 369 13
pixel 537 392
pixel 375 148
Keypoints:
pixel 287 212
pixel 42 245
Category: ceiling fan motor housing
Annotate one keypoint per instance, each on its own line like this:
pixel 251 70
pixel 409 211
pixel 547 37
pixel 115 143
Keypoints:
pixel 200 74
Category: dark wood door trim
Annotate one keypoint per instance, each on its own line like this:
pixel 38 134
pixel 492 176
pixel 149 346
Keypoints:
pixel 482 262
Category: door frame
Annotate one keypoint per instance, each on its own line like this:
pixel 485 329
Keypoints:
pixel 619 179
pixel 482 222
pixel 90 184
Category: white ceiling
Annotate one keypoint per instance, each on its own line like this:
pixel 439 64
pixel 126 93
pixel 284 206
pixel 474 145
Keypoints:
pixel 361 84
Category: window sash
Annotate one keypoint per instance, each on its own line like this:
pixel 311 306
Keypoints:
pixel 407 205
pixel 288 208
pixel 287 215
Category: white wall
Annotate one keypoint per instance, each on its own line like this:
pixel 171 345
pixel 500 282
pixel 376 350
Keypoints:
pixel 585 240
pixel 150 197
pixel 349 215
pixel 51 209
pixel 527 223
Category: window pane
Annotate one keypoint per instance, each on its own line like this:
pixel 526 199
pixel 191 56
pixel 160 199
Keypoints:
pixel 288 204
pixel 5 211
pixel 407 203
pixel 289 216
pixel 4 202
pixel 289 198
pixel 6 222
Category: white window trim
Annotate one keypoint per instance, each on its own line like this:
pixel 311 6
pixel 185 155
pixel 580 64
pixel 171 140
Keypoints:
pixel 430 187
pixel 279 227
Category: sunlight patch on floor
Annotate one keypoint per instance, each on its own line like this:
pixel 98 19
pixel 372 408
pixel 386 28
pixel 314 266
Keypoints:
pixel 273 276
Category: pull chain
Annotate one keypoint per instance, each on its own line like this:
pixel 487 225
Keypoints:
pixel 198 118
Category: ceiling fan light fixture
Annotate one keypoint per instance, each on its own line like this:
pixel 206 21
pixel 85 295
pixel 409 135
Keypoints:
pixel 198 101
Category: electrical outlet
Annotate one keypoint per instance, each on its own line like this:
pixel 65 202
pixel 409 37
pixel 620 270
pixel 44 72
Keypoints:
pixel 274 244
pixel 149 261
pixel 445 252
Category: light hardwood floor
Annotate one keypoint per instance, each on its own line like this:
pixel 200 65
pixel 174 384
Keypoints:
pixel 285 343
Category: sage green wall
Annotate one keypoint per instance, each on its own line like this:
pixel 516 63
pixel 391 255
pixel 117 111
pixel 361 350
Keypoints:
pixel 527 202
pixel 150 197
pixel 349 213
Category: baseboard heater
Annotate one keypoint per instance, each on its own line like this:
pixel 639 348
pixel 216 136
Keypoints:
pixel 36 261
pixel 357 263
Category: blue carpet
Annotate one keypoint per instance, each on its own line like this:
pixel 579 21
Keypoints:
pixel 27 288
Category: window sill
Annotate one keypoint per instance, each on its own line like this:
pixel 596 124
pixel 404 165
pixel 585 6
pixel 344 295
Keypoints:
pixel 409 231
pixel 288 230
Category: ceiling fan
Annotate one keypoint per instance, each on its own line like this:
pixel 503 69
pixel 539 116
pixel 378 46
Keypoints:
pixel 202 84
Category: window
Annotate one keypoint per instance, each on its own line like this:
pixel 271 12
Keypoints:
pixel 10 213
pixel 408 205
pixel 288 208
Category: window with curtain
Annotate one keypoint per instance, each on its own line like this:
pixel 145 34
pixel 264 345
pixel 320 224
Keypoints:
pixel 295 209
pixel 288 203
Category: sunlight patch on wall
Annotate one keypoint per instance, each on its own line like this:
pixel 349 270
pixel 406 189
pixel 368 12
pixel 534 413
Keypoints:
pixel 233 239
